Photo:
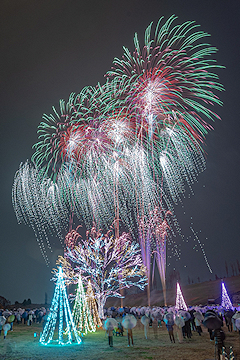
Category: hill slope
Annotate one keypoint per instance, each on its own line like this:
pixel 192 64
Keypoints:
pixel 194 294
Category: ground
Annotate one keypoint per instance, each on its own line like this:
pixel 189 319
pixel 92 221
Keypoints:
pixel 21 345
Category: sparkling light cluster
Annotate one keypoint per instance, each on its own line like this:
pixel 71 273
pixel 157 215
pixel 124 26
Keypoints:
pixel 60 311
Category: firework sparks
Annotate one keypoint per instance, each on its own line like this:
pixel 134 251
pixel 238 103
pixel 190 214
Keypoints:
pixel 119 150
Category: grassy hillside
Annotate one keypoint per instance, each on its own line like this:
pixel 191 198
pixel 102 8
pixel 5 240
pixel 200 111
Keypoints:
pixel 194 294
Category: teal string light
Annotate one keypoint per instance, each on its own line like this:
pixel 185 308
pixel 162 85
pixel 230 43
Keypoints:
pixel 231 354
pixel 60 306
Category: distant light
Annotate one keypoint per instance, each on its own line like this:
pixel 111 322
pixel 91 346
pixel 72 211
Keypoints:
pixel 180 302
pixel 226 302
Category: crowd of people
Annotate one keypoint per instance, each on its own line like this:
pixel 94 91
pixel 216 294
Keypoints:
pixel 180 324
pixel 21 316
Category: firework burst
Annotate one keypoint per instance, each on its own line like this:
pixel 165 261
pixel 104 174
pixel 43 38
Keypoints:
pixel 117 151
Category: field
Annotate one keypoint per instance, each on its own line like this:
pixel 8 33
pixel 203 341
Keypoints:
pixel 21 345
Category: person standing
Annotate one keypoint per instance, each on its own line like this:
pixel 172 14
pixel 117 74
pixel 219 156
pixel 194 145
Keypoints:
pixel 228 321
pixel 160 319
pixel 145 321
pixel 6 327
pixel 198 326
pixel 45 317
pixel 130 336
pixel 19 319
pixel 219 337
pixel 179 334
pixel 155 328
pixel 170 332
pixel 30 317
pixel 188 328
pixel 110 337
pixel 24 316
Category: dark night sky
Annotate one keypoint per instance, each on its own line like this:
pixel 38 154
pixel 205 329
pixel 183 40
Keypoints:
pixel 52 48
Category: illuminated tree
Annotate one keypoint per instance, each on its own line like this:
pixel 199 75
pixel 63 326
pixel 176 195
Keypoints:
pixel 102 258
pixel 92 304
pixel 180 302
pixel 81 313
pixel 226 302
pixel 60 311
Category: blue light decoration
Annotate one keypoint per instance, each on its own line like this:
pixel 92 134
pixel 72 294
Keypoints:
pixel 180 302
pixel 60 311
pixel 226 302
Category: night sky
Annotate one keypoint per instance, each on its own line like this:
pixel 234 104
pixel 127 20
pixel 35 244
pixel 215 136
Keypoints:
pixel 52 48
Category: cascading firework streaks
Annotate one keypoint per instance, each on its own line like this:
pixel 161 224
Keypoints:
pixel 118 151
pixel 37 203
